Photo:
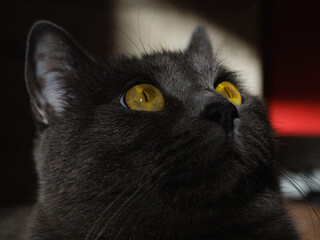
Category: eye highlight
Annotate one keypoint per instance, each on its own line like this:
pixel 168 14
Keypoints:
pixel 228 90
pixel 144 97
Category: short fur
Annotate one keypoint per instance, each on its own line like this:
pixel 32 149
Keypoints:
pixel 108 172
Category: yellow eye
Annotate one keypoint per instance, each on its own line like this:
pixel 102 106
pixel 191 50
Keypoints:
pixel 145 97
pixel 230 91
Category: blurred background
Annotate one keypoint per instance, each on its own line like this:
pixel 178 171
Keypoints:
pixel 273 45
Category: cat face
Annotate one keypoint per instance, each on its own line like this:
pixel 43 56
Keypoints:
pixel 107 171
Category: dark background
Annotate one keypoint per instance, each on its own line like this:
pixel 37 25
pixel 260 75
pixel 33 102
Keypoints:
pixel 285 33
pixel 85 20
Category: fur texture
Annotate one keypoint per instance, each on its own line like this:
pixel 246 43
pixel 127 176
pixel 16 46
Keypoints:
pixel 108 172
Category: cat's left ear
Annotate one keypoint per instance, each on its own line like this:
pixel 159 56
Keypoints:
pixel 55 69
pixel 200 44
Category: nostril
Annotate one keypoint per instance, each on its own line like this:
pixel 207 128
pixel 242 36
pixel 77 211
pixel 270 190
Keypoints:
pixel 222 114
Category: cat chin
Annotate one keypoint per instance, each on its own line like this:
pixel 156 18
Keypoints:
pixel 194 188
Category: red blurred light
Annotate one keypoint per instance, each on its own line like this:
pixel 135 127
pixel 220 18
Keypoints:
pixel 295 117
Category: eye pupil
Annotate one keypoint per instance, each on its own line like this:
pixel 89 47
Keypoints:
pixel 145 96
pixel 227 91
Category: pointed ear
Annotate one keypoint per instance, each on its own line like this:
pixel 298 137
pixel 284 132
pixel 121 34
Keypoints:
pixel 53 62
pixel 200 43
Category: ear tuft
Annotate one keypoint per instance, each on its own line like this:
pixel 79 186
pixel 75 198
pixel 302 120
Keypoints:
pixel 200 43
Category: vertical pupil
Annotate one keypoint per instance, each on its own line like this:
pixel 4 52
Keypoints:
pixel 145 95
pixel 227 91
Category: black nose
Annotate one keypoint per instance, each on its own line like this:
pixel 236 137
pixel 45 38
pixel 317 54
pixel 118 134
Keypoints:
pixel 221 113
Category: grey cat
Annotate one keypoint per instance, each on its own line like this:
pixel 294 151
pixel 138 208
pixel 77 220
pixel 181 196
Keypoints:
pixel 165 146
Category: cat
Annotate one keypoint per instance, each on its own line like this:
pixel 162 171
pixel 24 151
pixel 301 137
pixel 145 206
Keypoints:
pixel 168 145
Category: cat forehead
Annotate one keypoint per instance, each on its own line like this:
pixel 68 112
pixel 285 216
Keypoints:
pixel 172 70
pixel 184 68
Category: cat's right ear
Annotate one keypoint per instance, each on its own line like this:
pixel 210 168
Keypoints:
pixel 200 43
pixel 54 63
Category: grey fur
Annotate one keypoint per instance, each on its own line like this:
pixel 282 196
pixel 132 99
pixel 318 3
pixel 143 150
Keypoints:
pixel 108 172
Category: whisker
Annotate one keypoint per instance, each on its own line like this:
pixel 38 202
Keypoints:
pixel 310 178
pixel 130 28
pixel 117 29
pixel 309 204
pixel 122 49
pixel 139 27
pixel 121 207
pixel 109 206
pixel 121 229
pixel 313 207
pixel 153 16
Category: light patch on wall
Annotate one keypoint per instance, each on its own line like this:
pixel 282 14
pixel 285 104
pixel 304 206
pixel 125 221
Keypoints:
pixel 148 25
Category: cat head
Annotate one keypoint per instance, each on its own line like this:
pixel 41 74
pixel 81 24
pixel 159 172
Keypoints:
pixel 106 161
